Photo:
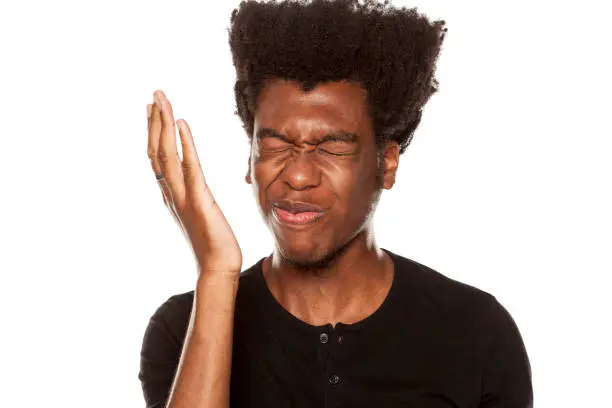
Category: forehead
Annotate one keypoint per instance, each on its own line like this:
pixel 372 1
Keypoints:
pixel 342 104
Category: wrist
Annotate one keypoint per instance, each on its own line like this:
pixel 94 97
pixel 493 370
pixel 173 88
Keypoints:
pixel 215 283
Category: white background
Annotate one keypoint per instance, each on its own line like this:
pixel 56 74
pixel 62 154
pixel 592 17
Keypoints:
pixel 506 185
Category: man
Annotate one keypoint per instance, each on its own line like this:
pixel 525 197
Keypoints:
pixel 330 94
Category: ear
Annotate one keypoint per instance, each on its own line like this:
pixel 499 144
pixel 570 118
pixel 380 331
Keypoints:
pixel 247 178
pixel 390 163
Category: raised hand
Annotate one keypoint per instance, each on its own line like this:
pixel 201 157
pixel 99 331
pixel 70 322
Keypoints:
pixel 186 193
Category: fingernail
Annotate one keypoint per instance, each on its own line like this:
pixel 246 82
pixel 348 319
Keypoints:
pixel 158 100
pixel 149 109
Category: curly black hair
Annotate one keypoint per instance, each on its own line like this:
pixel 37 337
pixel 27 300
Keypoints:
pixel 391 52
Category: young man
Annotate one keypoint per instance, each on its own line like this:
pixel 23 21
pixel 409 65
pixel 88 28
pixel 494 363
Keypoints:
pixel 330 93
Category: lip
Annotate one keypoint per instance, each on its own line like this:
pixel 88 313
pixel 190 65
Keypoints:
pixel 297 219
pixel 297 206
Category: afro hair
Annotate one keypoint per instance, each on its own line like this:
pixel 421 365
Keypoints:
pixel 391 52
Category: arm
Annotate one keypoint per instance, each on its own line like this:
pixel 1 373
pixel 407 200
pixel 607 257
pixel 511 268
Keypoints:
pixel 506 377
pixel 204 369
pixel 203 374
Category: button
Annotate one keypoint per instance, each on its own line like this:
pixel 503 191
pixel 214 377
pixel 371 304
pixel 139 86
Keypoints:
pixel 340 339
pixel 334 379
pixel 324 338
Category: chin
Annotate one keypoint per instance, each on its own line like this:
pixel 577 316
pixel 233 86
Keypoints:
pixel 309 255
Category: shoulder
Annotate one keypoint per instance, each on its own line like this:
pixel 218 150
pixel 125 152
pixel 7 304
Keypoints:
pixel 436 286
pixel 174 305
pixel 169 321
pixel 438 296
pixel 173 314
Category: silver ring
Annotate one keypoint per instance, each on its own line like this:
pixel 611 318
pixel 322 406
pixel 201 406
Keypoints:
pixel 159 176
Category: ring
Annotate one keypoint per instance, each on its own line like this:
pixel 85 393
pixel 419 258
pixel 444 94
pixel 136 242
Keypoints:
pixel 159 176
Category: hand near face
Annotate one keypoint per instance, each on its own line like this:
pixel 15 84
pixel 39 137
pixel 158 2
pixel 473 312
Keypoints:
pixel 186 193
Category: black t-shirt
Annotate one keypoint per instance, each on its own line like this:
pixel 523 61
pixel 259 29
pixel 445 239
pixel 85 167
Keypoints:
pixel 434 342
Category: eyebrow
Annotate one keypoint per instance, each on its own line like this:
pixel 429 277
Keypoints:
pixel 340 135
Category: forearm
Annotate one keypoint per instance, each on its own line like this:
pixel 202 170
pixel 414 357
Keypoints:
pixel 203 375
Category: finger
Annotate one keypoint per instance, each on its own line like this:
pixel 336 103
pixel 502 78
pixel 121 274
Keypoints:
pixel 154 123
pixel 196 187
pixel 195 182
pixel 190 154
pixel 149 110
pixel 167 153
pixel 192 170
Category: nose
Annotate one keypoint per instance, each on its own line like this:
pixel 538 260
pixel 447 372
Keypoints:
pixel 301 171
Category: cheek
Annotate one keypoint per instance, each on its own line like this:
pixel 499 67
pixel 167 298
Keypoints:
pixel 359 192
pixel 264 183
pixel 264 175
pixel 349 188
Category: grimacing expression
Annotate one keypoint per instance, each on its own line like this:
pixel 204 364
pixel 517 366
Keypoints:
pixel 292 160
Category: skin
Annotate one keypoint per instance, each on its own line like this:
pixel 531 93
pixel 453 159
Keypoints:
pixel 331 271
pixel 203 374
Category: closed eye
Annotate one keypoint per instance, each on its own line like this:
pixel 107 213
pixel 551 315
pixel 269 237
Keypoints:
pixel 274 144
pixel 338 148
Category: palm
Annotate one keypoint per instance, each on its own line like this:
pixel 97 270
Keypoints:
pixel 187 195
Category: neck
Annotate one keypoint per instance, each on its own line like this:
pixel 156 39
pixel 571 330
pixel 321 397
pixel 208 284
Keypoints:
pixel 346 290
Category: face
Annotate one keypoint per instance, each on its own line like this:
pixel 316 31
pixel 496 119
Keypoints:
pixel 314 167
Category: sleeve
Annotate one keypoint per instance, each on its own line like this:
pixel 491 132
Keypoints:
pixel 506 375
pixel 161 350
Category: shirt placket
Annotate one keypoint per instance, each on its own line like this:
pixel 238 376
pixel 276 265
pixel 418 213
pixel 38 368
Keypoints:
pixel 330 343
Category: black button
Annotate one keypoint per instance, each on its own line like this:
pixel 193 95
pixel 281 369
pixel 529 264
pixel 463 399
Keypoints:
pixel 340 339
pixel 324 338
pixel 334 379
